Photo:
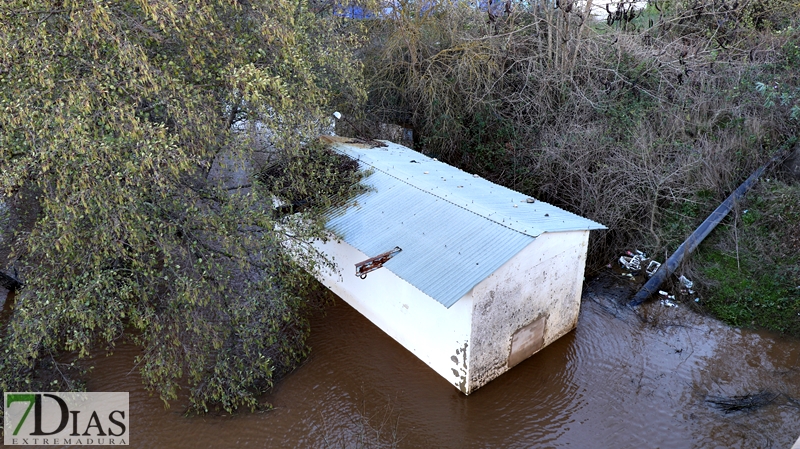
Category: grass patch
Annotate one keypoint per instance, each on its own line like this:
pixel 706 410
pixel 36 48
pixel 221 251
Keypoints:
pixel 682 216
pixel 748 270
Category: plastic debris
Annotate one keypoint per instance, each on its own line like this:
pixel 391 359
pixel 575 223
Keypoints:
pixel 686 285
pixel 638 261
pixel 652 267
pixel 628 263
pixel 696 299
pixel 668 300
pixel 633 261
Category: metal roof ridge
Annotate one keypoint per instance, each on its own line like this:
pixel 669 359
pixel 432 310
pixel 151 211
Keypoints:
pixel 448 201
pixel 526 224
pixel 516 223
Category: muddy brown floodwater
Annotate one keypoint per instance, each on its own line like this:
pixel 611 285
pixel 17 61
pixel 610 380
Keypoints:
pixel 622 379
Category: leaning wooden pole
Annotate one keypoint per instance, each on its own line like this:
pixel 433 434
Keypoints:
pixel 669 267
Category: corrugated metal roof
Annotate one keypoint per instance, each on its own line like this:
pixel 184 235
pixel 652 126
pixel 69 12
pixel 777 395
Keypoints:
pixel 446 250
pixel 454 229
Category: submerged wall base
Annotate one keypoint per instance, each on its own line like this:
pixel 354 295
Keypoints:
pixel 529 302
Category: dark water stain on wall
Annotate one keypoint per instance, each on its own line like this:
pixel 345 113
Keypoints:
pixel 621 380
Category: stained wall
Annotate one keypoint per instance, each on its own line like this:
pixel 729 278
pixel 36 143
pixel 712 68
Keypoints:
pixel 528 303
pixel 435 334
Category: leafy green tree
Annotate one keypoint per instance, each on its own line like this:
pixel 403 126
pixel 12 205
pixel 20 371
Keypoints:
pixel 113 113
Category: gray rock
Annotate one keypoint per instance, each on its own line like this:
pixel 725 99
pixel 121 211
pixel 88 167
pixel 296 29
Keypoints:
pixel 792 164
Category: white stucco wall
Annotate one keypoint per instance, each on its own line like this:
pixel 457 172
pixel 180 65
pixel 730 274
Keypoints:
pixel 543 281
pixel 435 334
pixel 469 344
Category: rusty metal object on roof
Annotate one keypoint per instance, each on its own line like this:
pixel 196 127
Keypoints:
pixel 372 264
pixel 357 142
pixel 409 208
pixel 366 141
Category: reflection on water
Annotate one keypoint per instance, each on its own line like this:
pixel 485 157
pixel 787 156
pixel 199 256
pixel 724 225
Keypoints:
pixel 622 379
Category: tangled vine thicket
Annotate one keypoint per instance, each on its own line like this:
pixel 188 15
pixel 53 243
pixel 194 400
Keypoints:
pixel 627 120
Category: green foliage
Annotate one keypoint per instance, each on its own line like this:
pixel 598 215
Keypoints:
pixel 487 141
pixel 767 14
pixel 729 20
pixel 751 271
pixel 113 113
pixel 490 141
pixel 681 217
pixel 750 297
pixel 780 87
pixel 631 104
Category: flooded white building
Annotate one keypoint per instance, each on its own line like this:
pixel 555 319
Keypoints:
pixel 469 276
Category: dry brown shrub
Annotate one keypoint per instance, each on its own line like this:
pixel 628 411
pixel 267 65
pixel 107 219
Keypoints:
pixel 635 129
